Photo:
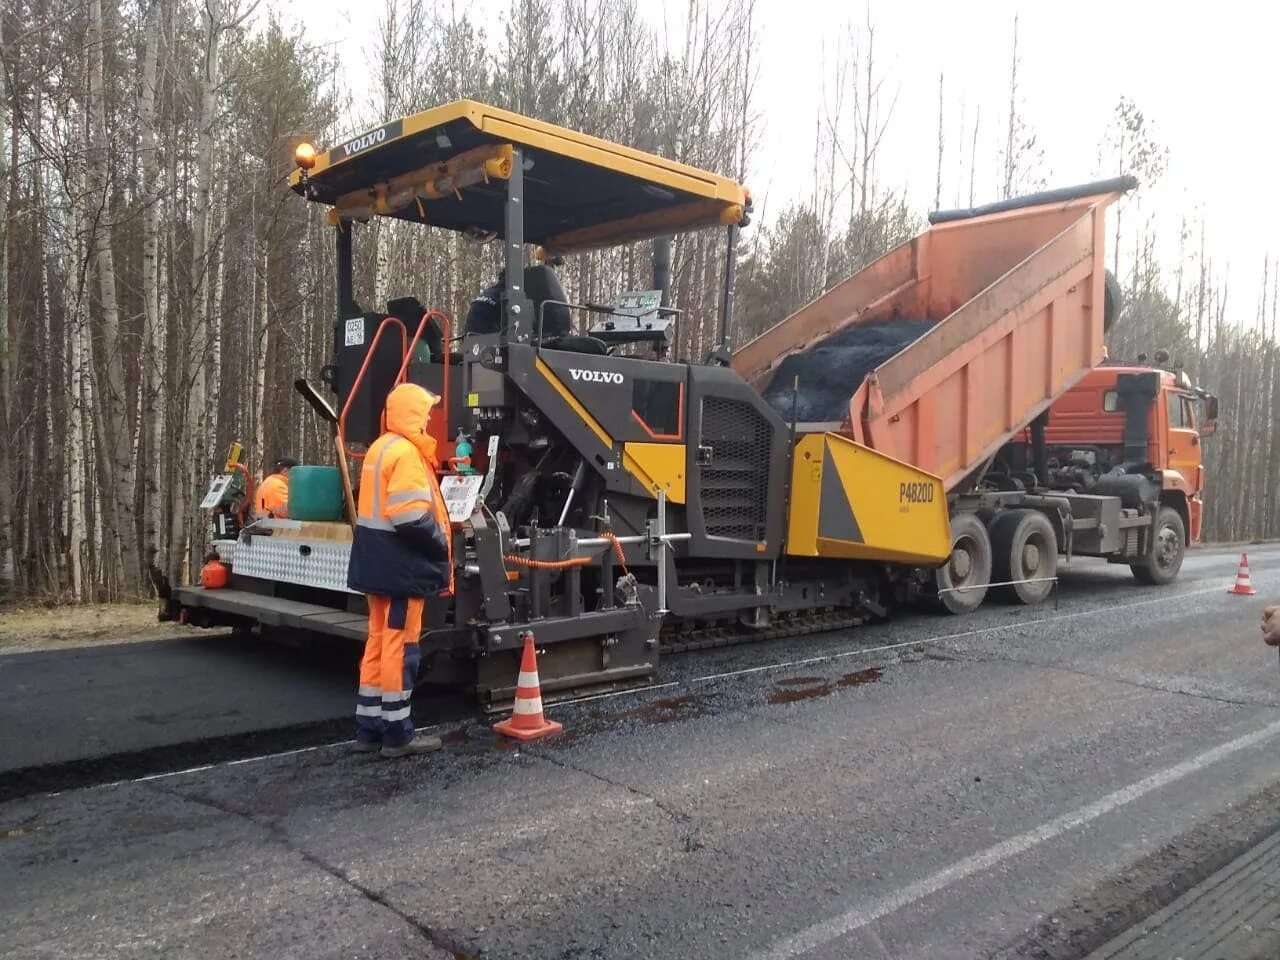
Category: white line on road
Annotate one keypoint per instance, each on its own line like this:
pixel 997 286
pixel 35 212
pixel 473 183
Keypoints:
pixel 228 763
pixel 860 916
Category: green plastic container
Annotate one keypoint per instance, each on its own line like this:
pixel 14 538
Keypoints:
pixel 315 493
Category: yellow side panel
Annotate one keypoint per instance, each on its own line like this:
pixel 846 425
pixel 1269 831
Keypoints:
pixel 659 466
pixel 852 502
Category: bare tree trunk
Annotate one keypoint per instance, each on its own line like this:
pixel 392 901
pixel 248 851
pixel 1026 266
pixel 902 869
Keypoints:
pixel 1010 162
pixel 215 306
pixel 119 475
pixel 153 366
pixel 194 439
pixel 382 237
pixel 1270 419
pixel 937 190
pixel 6 338
pixel 77 459
pixel 973 151
pixel 1197 367
pixel 868 122
pixel 260 343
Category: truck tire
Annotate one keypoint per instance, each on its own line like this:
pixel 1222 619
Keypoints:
pixel 1023 547
pixel 1167 550
pixel 1112 300
pixel 961 582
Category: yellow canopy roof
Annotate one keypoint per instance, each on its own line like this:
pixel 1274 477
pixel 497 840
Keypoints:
pixel 445 166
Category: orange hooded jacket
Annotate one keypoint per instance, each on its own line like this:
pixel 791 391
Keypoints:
pixel 400 547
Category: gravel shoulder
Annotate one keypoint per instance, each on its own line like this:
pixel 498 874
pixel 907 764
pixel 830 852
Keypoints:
pixel 24 629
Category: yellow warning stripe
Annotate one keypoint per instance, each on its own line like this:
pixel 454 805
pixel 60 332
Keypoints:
pixel 592 423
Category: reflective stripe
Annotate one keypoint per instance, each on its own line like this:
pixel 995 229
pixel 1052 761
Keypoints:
pixel 393 716
pixel 365 711
pixel 369 690
pixel 397 695
pixel 529 679
pixel 530 706
pixel 377 476
pixel 411 517
pixel 374 524
pixel 408 497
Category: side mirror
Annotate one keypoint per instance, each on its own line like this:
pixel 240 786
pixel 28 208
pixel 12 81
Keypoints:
pixel 1209 422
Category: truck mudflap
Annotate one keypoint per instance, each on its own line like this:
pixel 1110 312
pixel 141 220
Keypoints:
pixel 851 502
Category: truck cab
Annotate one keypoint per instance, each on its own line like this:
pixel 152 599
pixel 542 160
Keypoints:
pixel 1120 413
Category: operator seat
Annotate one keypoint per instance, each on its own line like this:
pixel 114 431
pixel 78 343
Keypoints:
pixel 541 285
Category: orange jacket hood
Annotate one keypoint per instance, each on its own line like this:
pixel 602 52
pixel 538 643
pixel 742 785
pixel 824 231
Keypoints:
pixel 408 407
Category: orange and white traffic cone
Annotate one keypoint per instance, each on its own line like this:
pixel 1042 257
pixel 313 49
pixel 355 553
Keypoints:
pixel 526 721
pixel 1243 587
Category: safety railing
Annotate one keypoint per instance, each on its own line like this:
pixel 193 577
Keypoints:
pixel 355 386
pixel 602 310
pixel 407 347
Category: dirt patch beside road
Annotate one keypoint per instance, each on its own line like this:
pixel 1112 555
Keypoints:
pixel 23 629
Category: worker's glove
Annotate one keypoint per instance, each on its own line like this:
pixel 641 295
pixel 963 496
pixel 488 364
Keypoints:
pixel 1271 626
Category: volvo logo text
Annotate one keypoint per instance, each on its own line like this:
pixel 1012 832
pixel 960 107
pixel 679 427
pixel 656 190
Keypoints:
pixel 596 376
pixel 364 142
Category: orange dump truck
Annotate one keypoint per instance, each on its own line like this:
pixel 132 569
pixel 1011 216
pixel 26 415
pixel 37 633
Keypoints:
pixel 997 387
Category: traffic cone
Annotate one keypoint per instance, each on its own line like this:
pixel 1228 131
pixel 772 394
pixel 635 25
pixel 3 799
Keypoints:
pixel 526 721
pixel 1243 587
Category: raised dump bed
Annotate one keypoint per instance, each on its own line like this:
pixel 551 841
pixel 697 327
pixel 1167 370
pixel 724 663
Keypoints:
pixel 997 312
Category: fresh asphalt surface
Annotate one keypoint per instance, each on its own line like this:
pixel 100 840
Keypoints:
pixel 1024 782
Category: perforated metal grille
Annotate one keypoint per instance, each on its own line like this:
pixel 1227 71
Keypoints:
pixel 311 563
pixel 735 484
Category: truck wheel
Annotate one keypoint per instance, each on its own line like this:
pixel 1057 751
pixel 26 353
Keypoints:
pixel 961 582
pixel 1023 547
pixel 1167 551
pixel 1112 300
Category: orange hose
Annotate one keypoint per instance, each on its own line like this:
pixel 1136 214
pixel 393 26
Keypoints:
pixel 547 564
pixel 617 549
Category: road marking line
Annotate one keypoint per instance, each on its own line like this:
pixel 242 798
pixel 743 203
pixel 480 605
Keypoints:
pixel 883 648
pixel 832 929
pixel 225 763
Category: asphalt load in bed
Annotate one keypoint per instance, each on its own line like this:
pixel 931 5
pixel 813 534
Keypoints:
pixel 832 369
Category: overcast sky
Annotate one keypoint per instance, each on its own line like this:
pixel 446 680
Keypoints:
pixel 1204 74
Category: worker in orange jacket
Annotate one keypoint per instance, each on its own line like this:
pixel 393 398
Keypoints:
pixel 399 557
pixel 273 493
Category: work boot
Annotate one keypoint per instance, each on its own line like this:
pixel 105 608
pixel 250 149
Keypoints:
pixel 367 746
pixel 419 744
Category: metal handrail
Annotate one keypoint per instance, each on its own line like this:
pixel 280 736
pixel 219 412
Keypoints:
pixel 355 386
pixel 599 309
pixel 447 331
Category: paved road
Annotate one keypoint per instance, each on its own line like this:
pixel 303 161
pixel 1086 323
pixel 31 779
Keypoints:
pixel 1020 783
pixel 64 705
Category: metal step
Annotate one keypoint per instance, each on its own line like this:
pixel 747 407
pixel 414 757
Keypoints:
pixel 275 612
